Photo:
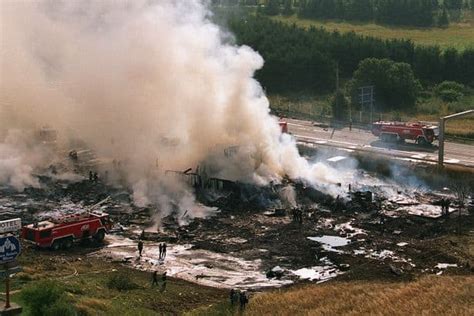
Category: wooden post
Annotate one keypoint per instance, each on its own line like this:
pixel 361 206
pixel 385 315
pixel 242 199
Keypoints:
pixel 7 291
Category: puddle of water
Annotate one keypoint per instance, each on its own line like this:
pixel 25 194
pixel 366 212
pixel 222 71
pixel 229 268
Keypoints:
pixel 446 265
pixel 331 242
pixel 319 273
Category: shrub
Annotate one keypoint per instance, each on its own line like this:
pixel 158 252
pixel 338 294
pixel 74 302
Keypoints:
pixel 45 298
pixel 450 85
pixel 121 282
pixel 450 91
pixel 450 95
pixel 61 308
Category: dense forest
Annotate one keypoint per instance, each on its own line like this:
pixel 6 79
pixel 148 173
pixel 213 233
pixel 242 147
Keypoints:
pixel 299 59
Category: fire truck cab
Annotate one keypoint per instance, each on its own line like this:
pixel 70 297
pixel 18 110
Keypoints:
pixel 61 233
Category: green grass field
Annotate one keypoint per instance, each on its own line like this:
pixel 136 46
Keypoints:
pixel 459 35
pixel 84 280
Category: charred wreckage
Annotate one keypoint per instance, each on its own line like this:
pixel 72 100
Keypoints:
pixel 252 236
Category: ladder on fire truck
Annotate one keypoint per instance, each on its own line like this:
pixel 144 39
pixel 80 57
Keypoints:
pixel 82 215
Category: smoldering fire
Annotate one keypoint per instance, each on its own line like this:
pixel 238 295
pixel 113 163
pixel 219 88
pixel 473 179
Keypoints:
pixel 125 78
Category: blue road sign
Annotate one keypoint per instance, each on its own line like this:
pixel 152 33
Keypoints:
pixel 9 248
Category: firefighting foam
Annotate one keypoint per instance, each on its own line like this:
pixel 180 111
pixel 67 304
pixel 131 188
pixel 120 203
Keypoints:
pixel 152 85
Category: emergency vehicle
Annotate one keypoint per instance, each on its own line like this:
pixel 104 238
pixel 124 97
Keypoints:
pixel 422 134
pixel 283 126
pixel 61 233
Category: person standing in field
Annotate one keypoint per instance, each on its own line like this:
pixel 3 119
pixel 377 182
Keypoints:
pixel 154 280
pixel 163 282
pixel 140 247
pixel 164 251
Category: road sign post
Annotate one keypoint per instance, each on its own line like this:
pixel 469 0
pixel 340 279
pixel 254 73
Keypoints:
pixel 10 248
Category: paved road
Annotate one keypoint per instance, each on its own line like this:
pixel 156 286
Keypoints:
pixel 362 140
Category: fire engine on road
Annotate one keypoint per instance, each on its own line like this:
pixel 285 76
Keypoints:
pixel 61 233
pixel 283 125
pixel 422 134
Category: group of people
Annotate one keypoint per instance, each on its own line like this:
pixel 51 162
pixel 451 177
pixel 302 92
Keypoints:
pixel 238 297
pixel 93 177
pixel 445 203
pixel 154 280
pixel 162 250
pixel 297 215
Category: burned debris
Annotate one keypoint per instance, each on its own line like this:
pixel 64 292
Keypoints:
pixel 277 233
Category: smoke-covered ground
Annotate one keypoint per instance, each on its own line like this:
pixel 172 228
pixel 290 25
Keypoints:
pixel 154 98
pixel 150 85
pixel 241 235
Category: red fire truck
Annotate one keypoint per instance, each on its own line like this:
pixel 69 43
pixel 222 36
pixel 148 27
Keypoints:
pixel 422 134
pixel 61 233
pixel 283 126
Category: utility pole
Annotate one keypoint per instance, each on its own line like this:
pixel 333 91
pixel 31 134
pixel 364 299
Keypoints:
pixel 337 87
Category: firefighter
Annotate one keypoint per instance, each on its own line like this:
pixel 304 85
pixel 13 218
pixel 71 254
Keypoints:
pixel 163 282
pixel 233 295
pixel 293 214
pixel 160 247
pixel 448 203
pixel 164 251
pixel 91 176
pixel 96 177
pixel 243 298
pixel 154 280
pixel 140 247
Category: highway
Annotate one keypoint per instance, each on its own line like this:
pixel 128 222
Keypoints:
pixel 363 140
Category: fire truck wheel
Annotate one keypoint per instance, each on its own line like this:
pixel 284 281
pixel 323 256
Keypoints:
pixel 99 236
pixel 422 141
pixel 56 245
pixel 67 243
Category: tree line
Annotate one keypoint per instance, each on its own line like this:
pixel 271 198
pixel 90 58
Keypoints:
pixel 422 13
pixel 298 59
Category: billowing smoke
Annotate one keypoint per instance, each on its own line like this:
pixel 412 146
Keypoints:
pixel 153 85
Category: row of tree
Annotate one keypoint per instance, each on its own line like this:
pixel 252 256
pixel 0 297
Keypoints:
pixel 299 59
pixel 396 12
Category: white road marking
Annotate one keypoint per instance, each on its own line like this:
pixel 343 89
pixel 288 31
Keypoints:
pixel 452 161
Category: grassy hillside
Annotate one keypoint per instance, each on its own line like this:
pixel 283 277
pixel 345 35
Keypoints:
pixel 85 283
pixel 459 35
pixel 430 295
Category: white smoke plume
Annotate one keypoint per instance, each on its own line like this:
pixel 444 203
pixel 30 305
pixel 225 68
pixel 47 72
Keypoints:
pixel 152 84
